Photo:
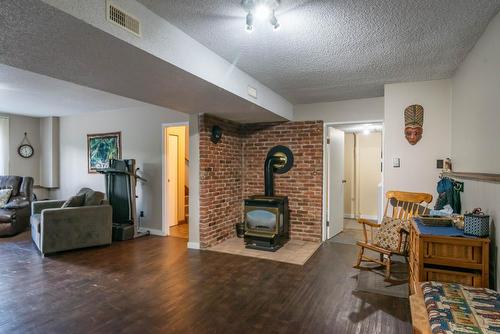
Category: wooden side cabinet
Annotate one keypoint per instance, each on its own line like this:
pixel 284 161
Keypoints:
pixel 447 259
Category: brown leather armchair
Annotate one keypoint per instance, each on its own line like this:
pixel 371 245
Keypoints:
pixel 15 215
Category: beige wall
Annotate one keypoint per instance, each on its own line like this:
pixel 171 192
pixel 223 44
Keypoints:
pixel 475 121
pixel 141 130
pixel 418 172
pixel 180 132
pixel 369 174
pixel 362 174
pixel 371 109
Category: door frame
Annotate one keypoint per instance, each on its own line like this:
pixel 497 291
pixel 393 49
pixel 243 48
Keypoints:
pixel 165 229
pixel 327 125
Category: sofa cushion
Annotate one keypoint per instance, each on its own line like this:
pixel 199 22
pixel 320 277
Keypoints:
pixel 4 196
pixel 74 201
pixel 35 221
pixel 6 215
pixel 12 182
pixel 388 234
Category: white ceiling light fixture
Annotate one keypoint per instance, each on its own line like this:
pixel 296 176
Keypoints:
pixel 263 10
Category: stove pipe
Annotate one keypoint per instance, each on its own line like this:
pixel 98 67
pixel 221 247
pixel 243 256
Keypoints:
pixel 269 174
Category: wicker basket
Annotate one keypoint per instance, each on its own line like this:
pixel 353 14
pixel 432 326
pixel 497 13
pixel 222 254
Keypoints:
pixel 477 224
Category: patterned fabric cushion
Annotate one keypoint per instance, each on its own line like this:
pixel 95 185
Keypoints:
pixel 455 309
pixel 388 234
pixel 4 196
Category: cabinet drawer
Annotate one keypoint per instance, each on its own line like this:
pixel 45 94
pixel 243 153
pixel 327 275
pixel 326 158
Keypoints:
pixel 453 254
pixel 450 276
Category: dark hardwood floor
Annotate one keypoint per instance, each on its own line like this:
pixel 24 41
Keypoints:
pixel 156 285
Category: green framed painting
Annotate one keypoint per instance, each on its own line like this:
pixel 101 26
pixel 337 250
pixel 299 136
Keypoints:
pixel 101 147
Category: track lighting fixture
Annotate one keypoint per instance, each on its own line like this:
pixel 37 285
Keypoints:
pixel 249 26
pixel 264 10
pixel 274 21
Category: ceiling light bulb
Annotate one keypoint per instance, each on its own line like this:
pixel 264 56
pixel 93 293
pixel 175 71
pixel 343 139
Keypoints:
pixel 366 132
pixel 249 27
pixel 262 12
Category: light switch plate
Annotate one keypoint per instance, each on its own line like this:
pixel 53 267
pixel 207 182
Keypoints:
pixel 396 163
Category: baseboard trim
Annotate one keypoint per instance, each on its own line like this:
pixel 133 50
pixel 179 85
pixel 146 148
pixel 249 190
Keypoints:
pixel 152 231
pixel 193 245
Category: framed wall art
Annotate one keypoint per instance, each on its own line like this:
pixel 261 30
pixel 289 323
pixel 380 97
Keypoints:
pixel 102 147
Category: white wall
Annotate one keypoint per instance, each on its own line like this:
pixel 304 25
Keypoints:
pixel 359 110
pixel 349 177
pixel 194 182
pixel 475 125
pixel 418 172
pixel 18 126
pixel 141 140
pixel 49 158
pixel 476 106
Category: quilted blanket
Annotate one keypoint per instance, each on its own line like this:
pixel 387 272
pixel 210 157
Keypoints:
pixel 458 309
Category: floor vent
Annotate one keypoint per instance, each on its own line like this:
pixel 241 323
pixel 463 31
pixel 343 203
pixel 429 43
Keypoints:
pixel 124 20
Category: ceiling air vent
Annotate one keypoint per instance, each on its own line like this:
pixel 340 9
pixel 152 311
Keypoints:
pixel 123 19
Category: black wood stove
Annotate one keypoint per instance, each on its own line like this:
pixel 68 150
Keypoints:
pixel 267 217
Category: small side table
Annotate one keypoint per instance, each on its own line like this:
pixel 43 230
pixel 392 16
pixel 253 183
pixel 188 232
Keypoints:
pixel 444 254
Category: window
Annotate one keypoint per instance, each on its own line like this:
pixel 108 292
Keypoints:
pixel 4 145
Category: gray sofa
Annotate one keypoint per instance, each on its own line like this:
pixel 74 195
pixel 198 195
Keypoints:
pixel 15 216
pixel 56 229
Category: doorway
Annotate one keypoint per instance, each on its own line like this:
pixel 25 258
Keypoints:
pixel 353 178
pixel 176 180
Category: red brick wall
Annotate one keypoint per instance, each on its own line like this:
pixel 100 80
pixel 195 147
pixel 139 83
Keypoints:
pixel 234 169
pixel 220 181
pixel 303 184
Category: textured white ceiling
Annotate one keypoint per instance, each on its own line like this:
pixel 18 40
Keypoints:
pixel 329 50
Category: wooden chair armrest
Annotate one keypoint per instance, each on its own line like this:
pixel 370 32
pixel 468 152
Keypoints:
pixel 367 222
pixel 372 225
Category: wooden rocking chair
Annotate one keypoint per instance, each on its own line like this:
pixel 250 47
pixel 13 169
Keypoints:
pixel 405 206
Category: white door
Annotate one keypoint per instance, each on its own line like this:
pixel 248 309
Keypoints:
pixel 335 193
pixel 172 179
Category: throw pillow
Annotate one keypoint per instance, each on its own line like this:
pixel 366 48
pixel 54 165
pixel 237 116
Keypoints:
pixel 4 196
pixel 74 201
pixel 92 197
pixel 388 234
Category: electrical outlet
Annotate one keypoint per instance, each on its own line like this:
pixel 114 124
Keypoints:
pixel 396 163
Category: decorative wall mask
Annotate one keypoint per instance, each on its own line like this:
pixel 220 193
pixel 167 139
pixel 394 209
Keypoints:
pixel 414 122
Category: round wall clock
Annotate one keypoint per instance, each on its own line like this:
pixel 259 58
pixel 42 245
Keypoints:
pixel 26 151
